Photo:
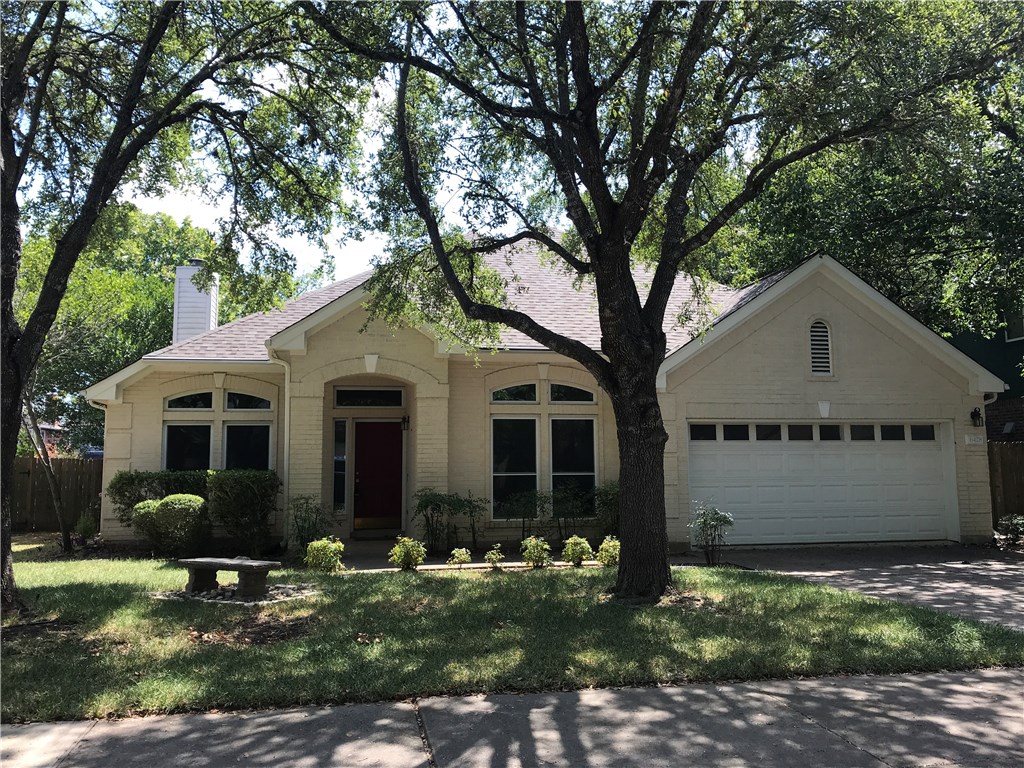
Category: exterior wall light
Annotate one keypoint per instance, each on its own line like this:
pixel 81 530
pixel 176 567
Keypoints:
pixel 976 418
pixel 405 423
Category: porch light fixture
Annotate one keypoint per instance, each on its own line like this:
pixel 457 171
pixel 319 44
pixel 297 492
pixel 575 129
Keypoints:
pixel 976 418
pixel 405 423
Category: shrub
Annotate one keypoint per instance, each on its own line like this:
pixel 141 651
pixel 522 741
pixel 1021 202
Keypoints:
pixel 494 557
pixel 325 554
pixel 576 550
pixel 243 501
pixel 536 552
pixel 606 499
pixel 128 488
pixel 1011 528
pixel 608 552
pixel 441 514
pixel 177 525
pixel 309 521
pixel 460 557
pixel 710 526
pixel 86 526
pixel 407 554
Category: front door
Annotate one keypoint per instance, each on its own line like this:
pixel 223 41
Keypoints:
pixel 378 475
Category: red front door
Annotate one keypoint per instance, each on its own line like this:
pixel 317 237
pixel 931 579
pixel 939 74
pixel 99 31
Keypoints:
pixel 378 480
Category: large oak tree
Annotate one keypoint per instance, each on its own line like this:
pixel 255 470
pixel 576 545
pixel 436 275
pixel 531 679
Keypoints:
pixel 624 124
pixel 109 98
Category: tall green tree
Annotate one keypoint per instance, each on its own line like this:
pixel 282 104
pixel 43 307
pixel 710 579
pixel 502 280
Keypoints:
pixel 613 120
pixel 109 98
pixel 931 216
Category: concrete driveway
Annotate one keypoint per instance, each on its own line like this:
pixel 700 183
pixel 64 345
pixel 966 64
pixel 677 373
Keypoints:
pixel 980 583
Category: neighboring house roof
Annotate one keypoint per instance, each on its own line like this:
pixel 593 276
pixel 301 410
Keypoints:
pixel 551 297
pixel 1002 357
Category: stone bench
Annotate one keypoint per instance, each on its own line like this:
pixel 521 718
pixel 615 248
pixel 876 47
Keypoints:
pixel 252 574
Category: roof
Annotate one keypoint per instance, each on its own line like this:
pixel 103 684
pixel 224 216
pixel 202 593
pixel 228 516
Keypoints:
pixel 542 290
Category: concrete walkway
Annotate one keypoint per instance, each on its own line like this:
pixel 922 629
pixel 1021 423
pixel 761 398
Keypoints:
pixel 949 719
pixel 980 583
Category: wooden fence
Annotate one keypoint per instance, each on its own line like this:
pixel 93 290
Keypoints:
pixel 80 482
pixel 1006 471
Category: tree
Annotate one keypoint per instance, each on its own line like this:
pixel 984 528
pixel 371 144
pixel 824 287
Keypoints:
pixel 931 217
pixel 622 122
pixel 101 99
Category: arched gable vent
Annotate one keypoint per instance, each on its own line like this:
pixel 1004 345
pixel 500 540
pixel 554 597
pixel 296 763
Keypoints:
pixel 821 349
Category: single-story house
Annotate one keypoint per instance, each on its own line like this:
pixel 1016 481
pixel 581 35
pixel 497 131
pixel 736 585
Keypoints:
pixel 813 409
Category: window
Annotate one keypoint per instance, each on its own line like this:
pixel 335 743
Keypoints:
pixel 1015 328
pixel 340 454
pixel 922 431
pixel 830 432
pixel 703 432
pixel 572 467
pixel 239 401
pixel 563 393
pixel 821 349
pixel 187 446
pixel 247 446
pixel 800 432
pixel 367 398
pixel 195 400
pixel 862 431
pixel 513 463
pixel 893 432
pixel 736 431
pixel 520 393
pixel 768 431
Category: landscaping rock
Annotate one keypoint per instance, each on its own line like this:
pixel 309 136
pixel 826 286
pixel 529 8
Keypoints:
pixel 276 593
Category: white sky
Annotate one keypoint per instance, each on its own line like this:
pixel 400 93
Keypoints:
pixel 350 258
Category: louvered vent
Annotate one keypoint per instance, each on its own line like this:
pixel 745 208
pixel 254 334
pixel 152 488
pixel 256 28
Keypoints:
pixel 821 349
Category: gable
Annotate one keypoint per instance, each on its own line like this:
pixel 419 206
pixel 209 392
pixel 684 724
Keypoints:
pixel 880 323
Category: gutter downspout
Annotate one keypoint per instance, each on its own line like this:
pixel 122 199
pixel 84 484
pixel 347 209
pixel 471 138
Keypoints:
pixel 286 426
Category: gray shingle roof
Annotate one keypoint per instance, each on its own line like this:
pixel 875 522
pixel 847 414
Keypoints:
pixel 543 291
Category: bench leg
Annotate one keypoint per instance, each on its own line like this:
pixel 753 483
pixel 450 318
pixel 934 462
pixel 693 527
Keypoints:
pixel 252 583
pixel 201 580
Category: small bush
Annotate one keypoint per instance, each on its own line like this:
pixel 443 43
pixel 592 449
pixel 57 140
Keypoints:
pixel 407 554
pixel 325 554
pixel 443 512
pixel 576 550
pixel 494 557
pixel 460 557
pixel 710 526
pixel 128 487
pixel 1011 529
pixel 175 525
pixel 536 552
pixel 86 526
pixel 608 552
pixel 309 521
pixel 243 502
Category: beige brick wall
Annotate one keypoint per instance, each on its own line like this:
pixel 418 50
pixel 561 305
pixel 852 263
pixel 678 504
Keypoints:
pixel 760 371
pixel 134 433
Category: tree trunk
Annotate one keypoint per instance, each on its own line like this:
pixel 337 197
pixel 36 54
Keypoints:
pixel 643 564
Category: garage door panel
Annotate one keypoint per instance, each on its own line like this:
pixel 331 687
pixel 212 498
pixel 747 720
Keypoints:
pixel 804 492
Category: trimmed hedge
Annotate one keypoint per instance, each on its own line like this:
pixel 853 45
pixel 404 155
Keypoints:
pixel 177 525
pixel 243 501
pixel 128 488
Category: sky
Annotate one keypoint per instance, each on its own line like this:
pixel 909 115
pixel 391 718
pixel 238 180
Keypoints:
pixel 350 258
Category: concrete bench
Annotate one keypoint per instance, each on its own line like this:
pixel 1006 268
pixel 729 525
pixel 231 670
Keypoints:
pixel 252 574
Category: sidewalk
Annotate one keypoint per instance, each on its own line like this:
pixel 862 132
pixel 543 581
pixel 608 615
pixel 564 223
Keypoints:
pixel 957 718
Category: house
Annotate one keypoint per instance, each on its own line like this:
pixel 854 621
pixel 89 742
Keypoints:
pixel 1003 354
pixel 814 410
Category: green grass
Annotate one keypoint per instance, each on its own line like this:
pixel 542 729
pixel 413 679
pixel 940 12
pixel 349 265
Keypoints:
pixel 448 633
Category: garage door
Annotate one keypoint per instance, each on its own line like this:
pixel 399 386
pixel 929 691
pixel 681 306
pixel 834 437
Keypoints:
pixel 816 483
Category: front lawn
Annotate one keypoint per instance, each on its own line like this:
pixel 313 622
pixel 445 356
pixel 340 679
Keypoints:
pixel 116 651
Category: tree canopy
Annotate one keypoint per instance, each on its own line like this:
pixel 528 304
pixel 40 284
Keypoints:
pixel 616 134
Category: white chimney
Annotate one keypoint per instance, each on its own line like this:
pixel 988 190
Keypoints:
pixel 195 311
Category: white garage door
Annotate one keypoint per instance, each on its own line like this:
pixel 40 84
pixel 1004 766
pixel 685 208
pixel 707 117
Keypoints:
pixel 803 483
